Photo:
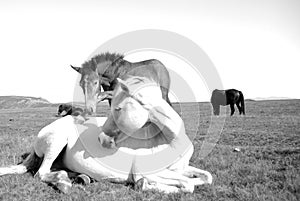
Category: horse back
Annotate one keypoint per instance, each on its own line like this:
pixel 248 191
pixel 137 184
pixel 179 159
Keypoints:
pixel 152 68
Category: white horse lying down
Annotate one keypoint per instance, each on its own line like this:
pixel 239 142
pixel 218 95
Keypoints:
pixel 154 153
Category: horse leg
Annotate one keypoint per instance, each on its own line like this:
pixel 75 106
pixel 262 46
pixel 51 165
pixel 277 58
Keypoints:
pixel 216 109
pixel 59 179
pixel 164 178
pixel 183 162
pixel 232 109
pixel 198 176
pixel 49 154
pixel 239 107
pixel 49 144
pixel 29 164
pixel 14 169
pixel 32 162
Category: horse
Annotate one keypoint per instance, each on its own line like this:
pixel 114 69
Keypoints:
pixel 129 158
pixel 139 112
pixel 66 109
pixel 103 69
pixel 227 97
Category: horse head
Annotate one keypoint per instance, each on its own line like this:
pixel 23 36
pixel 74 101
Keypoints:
pixel 128 114
pixel 90 83
pixel 63 110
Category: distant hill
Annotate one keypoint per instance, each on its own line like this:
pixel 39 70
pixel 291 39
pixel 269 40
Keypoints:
pixel 271 98
pixel 18 102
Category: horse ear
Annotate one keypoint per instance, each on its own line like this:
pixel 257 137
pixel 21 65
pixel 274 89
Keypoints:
pixel 123 85
pixel 78 69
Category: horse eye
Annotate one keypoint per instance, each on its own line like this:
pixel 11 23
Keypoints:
pixel 118 108
pixel 96 82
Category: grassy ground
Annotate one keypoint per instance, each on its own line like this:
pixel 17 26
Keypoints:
pixel 266 168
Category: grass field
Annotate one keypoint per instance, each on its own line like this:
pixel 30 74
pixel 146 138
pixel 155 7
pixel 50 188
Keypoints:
pixel 266 168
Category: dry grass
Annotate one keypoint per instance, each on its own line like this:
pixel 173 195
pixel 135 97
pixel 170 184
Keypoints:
pixel 266 168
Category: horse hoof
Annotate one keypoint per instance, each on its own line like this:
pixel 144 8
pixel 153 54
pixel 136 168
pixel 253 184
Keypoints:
pixel 64 188
pixel 204 178
pixel 82 179
pixel 187 187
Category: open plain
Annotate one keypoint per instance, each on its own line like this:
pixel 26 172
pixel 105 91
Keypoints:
pixel 256 157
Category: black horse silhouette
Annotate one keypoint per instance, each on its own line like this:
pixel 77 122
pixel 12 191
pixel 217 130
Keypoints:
pixel 67 109
pixel 227 97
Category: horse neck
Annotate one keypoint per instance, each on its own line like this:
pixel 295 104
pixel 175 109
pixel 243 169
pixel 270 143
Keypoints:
pixel 113 71
pixel 147 137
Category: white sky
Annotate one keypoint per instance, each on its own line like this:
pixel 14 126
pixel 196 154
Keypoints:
pixel 255 45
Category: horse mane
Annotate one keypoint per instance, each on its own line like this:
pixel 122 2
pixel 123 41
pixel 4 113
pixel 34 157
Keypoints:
pixel 115 58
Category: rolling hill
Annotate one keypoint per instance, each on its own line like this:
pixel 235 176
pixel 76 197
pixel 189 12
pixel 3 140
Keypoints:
pixel 18 102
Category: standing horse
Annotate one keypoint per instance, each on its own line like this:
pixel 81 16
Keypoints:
pixel 102 70
pixel 153 157
pixel 227 97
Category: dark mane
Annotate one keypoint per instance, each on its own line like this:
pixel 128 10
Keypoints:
pixel 113 57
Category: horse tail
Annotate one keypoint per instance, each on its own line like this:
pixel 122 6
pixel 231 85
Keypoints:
pixel 242 102
pixel 29 164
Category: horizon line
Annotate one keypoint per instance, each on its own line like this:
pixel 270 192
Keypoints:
pixel 201 101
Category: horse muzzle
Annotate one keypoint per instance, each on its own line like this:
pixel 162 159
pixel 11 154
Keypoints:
pixel 90 109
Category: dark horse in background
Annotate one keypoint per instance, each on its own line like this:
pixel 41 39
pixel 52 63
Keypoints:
pixel 103 69
pixel 68 109
pixel 227 97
